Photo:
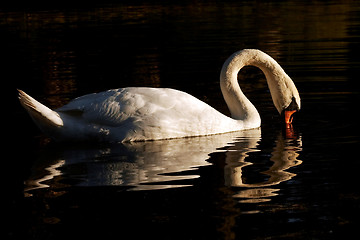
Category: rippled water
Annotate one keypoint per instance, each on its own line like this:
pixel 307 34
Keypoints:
pixel 265 183
pixel 164 164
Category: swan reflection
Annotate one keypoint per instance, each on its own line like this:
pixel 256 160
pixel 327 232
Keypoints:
pixel 139 165
pixel 164 164
pixel 284 156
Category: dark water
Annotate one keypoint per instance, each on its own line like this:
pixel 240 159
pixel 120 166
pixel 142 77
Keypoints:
pixel 261 184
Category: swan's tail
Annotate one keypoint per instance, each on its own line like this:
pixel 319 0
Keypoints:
pixel 43 116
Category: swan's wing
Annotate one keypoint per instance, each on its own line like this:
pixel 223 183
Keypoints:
pixel 148 113
pixel 117 106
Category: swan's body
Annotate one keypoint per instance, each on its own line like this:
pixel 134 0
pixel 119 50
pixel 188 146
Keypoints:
pixel 136 114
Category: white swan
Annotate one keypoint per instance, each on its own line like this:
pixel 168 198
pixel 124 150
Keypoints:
pixel 138 114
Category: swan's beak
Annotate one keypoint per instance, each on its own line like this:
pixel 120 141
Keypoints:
pixel 289 116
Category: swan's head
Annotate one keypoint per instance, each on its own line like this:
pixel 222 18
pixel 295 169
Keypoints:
pixel 285 97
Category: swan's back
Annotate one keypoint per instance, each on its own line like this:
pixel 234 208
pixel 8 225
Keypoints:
pixel 114 107
pixel 133 114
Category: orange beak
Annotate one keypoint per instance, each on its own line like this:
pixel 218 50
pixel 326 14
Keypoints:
pixel 288 116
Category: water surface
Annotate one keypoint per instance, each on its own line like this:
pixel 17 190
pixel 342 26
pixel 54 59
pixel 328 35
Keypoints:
pixel 265 183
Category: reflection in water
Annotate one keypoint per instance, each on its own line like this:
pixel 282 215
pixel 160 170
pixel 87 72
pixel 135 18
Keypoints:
pixel 43 175
pixel 143 165
pixel 283 156
pixel 166 164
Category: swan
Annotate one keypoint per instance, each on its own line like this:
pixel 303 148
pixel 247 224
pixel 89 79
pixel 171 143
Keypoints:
pixel 140 114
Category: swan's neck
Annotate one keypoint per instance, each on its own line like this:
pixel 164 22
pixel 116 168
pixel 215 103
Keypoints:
pixel 240 107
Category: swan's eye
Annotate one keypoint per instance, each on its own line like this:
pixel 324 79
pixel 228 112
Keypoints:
pixel 293 105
